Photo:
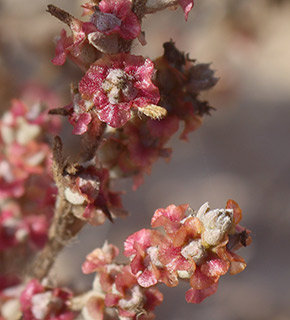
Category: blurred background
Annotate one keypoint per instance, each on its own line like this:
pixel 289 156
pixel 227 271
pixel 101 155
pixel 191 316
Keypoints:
pixel 241 151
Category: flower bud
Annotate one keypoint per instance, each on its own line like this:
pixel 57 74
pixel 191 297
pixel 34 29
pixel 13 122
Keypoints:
pixel 216 223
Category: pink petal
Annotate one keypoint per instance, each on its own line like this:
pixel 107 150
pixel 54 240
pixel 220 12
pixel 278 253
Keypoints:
pixel 238 264
pixel 62 47
pixel 142 237
pixel 215 267
pixel 171 257
pixel 115 115
pixel 201 281
pixel 125 280
pixel 99 258
pixel 147 279
pixel 197 296
pixel 163 217
pixel 81 124
pixel 130 27
pixel 111 299
pixel 231 204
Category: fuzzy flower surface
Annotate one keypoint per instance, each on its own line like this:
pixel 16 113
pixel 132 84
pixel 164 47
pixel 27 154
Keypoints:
pixel 118 83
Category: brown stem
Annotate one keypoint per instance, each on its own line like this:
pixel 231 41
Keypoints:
pixel 62 231
pixel 64 225
pixel 92 139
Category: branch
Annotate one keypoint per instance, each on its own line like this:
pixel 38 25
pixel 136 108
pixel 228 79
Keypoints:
pixel 64 225
pixel 60 14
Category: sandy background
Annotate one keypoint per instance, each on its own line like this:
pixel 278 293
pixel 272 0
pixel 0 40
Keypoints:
pixel 241 151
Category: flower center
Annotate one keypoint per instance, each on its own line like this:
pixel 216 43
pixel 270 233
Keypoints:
pixel 118 86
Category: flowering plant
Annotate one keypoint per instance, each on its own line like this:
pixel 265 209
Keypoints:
pixel 126 108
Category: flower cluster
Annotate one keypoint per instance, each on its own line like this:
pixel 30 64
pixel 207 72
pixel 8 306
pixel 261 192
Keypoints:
pixel 27 191
pixel 40 302
pixel 112 25
pixel 141 102
pixel 116 293
pixel 111 22
pixel 126 108
pixel 117 86
pixel 132 149
pixel 198 247
pixel 26 185
pixel 34 301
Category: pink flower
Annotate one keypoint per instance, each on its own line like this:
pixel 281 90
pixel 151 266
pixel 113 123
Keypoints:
pixel 38 302
pixel 142 249
pixel 130 299
pixel 25 178
pixel 169 218
pixel 22 123
pixel 114 16
pixel 12 180
pixel 15 230
pixel 116 288
pixel 99 258
pixel 118 83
